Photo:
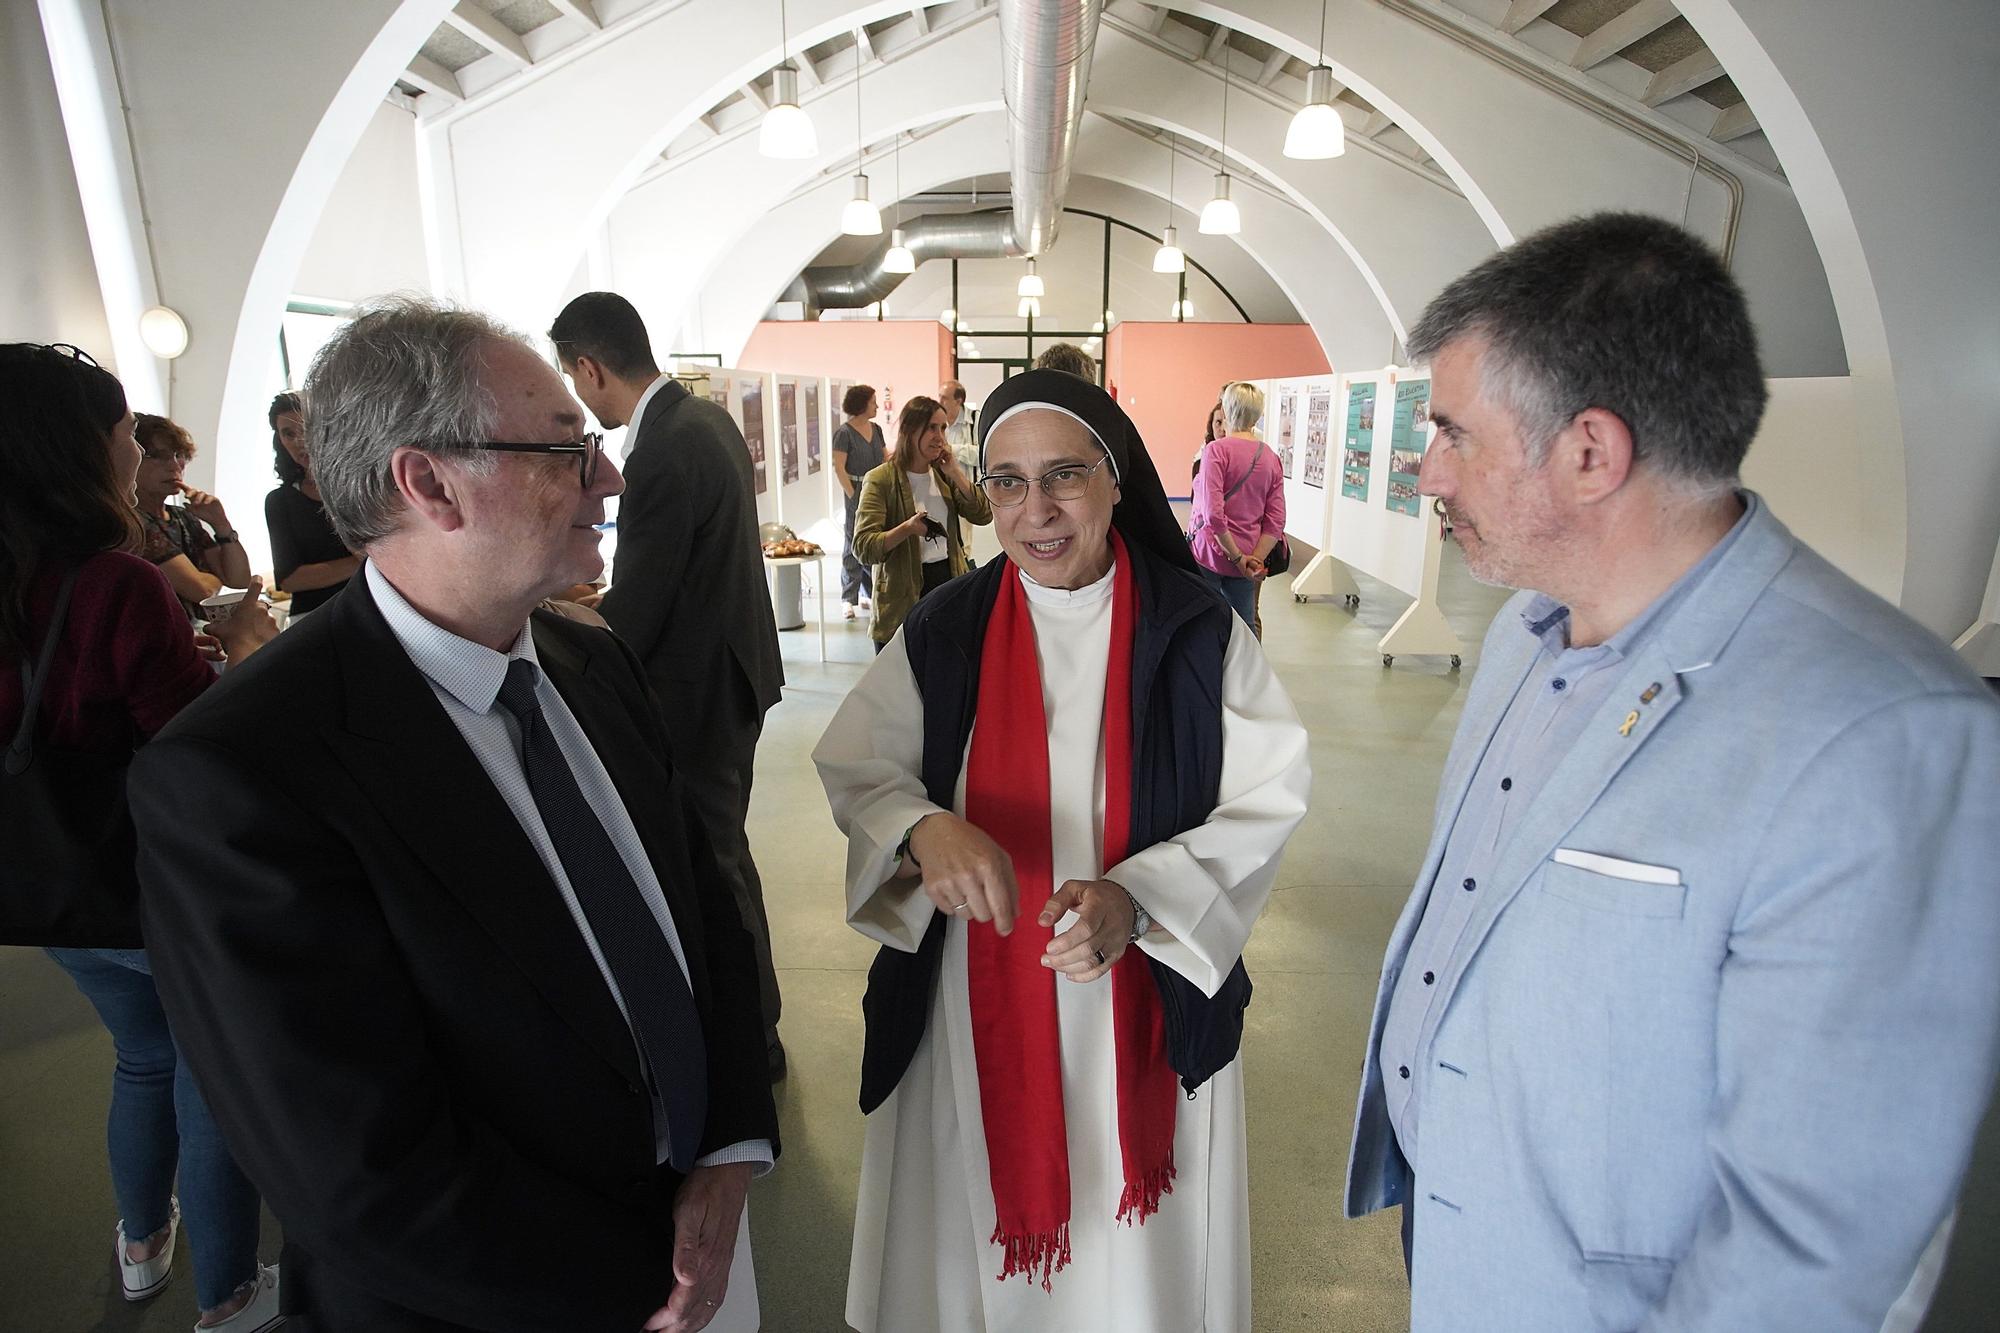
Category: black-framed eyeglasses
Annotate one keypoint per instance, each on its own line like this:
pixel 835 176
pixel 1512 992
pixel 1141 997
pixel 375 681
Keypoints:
pixel 1068 482
pixel 587 450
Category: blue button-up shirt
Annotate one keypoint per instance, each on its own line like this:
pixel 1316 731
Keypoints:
pixel 1562 691
pixel 466 678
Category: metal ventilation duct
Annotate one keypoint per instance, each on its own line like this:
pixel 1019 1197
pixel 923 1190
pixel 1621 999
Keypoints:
pixel 1046 72
pixel 932 236
pixel 1046 69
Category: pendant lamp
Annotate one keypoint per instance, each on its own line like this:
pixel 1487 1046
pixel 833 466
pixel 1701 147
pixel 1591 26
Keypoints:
pixel 1219 216
pixel 787 131
pixel 1317 131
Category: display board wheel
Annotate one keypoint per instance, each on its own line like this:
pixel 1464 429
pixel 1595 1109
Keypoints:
pixel 1454 662
pixel 1354 600
pixel 1388 659
pixel 1298 597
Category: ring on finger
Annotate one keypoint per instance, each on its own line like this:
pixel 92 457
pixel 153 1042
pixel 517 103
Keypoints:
pixel 960 907
pixel 1099 955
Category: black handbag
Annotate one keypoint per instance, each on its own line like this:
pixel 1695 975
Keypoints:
pixel 67 879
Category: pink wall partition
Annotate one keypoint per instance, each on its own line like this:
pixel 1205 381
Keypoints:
pixel 1167 377
pixel 900 357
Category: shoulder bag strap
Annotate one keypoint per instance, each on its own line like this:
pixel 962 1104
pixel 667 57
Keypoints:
pixel 22 751
pixel 1255 459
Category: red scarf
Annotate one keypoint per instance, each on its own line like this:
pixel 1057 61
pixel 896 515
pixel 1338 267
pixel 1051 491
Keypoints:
pixel 1015 1031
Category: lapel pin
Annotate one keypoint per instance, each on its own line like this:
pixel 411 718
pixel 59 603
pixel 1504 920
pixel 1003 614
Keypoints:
pixel 1631 721
pixel 1652 693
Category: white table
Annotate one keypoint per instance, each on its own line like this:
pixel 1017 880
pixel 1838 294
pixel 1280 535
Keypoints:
pixel 819 586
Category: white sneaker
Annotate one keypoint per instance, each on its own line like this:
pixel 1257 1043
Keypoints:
pixel 148 1277
pixel 259 1313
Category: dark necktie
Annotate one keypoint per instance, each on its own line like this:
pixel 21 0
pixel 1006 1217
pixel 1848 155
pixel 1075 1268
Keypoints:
pixel 657 1000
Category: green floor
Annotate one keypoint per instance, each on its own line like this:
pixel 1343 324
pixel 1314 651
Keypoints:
pixel 1379 739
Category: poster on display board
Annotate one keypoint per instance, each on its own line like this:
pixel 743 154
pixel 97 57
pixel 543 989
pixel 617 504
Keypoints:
pixel 753 427
pixel 1319 409
pixel 718 391
pixel 788 431
pixel 812 429
pixel 1288 406
pixel 1407 437
pixel 1357 454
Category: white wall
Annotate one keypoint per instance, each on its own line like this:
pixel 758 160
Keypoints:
pixel 1884 116
pixel 1821 475
pixel 370 238
pixel 48 283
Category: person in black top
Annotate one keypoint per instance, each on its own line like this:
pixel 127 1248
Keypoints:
pixel 858 449
pixel 309 559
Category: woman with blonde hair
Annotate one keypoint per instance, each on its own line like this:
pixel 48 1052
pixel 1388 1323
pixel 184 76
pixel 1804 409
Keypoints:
pixel 1239 503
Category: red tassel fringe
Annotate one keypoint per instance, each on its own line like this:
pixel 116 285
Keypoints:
pixel 1141 1198
pixel 1044 1250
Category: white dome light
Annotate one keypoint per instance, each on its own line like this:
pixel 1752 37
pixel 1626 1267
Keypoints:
pixel 899 259
pixel 1031 283
pixel 1317 131
pixel 1168 258
pixel 861 217
pixel 787 131
pixel 1219 216
pixel 164 332
pixel 1030 308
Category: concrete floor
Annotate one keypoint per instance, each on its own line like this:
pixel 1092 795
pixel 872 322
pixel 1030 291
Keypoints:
pixel 1379 740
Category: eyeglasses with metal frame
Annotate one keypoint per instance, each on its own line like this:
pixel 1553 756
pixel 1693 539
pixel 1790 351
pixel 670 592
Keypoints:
pixel 1004 490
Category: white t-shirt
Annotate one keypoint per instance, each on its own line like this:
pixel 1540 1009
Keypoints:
pixel 929 499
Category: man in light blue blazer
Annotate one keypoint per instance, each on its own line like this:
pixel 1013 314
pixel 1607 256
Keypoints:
pixel 1695 1009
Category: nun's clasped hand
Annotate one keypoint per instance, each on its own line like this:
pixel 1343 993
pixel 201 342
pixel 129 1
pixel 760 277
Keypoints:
pixel 1095 943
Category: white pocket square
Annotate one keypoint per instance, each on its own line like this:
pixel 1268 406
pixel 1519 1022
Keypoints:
pixel 1637 871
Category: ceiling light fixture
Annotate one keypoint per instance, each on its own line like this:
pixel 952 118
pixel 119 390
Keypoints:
pixel 1220 216
pixel 1030 307
pixel 899 259
pixel 163 331
pixel 1317 131
pixel 1168 258
pixel 1031 283
pixel 787 131
pixel 860 217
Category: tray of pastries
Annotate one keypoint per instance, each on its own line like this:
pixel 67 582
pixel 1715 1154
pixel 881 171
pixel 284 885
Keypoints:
pixel 792 549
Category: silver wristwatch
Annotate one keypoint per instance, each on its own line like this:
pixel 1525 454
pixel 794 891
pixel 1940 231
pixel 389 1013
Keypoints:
pixel 1142 920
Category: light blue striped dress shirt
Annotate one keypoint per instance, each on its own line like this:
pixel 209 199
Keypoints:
pixel 466 678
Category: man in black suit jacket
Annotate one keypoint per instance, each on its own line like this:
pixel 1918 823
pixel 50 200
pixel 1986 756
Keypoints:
pixel 381 867
pixel 689 594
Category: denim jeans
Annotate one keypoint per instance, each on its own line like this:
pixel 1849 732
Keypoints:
pixel 158 1120
pixel 1239 592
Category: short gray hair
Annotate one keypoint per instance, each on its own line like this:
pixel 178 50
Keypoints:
pixel 1242 405
pixel 407 371
pixel 1618 311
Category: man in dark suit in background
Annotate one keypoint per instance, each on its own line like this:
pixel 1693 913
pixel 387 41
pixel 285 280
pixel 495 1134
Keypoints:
pixel 689 594
pixel 434 922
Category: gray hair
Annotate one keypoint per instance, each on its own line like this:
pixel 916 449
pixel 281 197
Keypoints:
pixel 1242 405
pixel 405 372
pixel 1618 311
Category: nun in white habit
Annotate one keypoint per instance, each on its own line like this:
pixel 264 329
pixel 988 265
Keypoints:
pixel 1066 785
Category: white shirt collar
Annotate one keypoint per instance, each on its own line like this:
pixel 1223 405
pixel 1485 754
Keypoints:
pixel 646 400
pixel 1088 594
pixel 469 672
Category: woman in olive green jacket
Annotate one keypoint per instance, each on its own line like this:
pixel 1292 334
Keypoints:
pixel 907 521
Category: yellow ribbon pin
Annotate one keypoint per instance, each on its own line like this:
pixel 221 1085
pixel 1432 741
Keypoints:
pixel 1631 721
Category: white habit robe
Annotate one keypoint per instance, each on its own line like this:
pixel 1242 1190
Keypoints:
pixel 922 1260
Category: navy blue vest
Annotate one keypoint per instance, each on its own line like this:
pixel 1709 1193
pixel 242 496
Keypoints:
pixel 1177 652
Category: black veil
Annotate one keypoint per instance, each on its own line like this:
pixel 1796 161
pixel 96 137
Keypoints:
pixel 1142 514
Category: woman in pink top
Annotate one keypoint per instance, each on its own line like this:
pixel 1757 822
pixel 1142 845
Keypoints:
pixel 1239 503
